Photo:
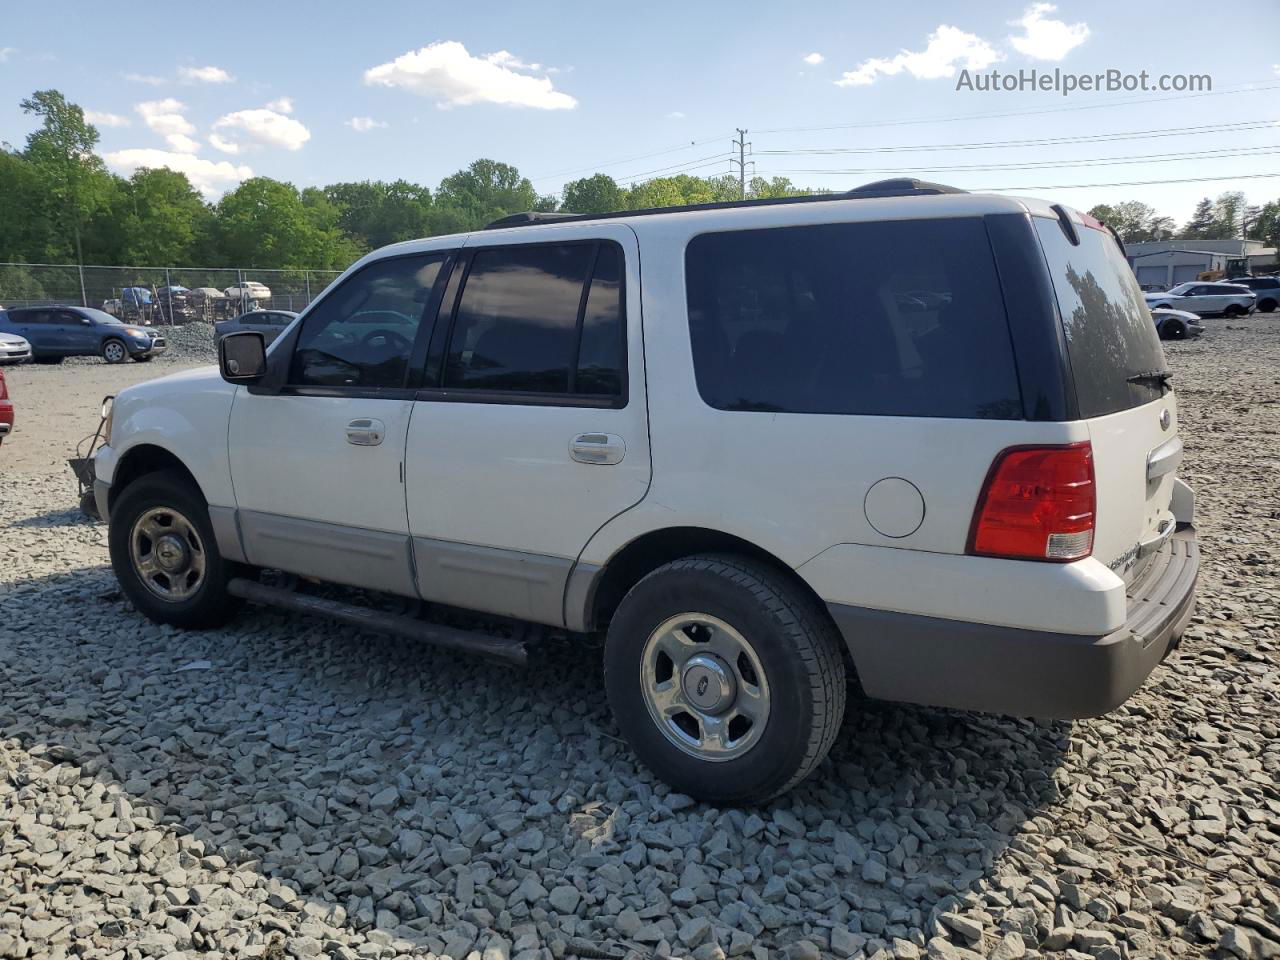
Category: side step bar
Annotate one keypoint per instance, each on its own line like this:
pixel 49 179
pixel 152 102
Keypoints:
pixel 450 638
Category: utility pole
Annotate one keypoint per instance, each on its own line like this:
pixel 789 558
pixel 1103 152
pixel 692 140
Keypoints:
pixel 743 146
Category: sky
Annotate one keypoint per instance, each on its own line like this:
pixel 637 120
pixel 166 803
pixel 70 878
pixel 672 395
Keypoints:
pixel 830 91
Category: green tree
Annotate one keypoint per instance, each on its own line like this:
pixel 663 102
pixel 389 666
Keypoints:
pixel 160 218
pixel 73 178
pixel 27 229
pixel 1266 225
pixel 485 191
pixel 268 224
pixel 595 194
pixel 1201 224
pixel 1134 221
pixel 377 213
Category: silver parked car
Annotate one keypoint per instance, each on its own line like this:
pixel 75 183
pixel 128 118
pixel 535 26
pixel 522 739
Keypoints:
pixel 13 348
pixel 270 323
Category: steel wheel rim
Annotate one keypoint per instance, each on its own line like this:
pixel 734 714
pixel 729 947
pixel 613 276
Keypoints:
pixel 167 553
pixel 114 351
pixel 705 687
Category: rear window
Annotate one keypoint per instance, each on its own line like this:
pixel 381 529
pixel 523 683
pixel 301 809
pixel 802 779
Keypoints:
pixel 1110 334
pixel 897 318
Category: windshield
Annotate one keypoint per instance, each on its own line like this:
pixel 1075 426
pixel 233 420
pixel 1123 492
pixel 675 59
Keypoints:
pixel 1110 337
pixel 99 316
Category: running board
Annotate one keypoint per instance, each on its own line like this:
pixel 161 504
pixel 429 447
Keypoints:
pixel 449 638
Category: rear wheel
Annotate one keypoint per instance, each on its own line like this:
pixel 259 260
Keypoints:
pixel 164 553
pixel 1235 310
pixel 1267 306
pixel 1163 306
pixel 114 351
pixel 726 679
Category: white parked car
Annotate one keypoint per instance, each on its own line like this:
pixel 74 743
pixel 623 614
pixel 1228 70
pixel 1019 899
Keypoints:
pixel 1206 299
pixel 248 290
pixel 751 467
pixel 13 348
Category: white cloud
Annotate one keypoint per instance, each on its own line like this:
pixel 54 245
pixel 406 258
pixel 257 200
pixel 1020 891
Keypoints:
pixel 263 126
pixel 226 146
pixel 208 74
pixel 451 75
pixel 165 118
pixel 148 78
pixel 182 143
pixel 362 124
pixel 282 105
pixel 1046 39
pixel 210 177
pixel 6 53
pixel 100 118
pixel 947 47
pixel 675 115
pixel 813 59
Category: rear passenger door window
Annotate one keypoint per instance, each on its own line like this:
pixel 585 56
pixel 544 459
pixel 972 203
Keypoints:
pixel 544 320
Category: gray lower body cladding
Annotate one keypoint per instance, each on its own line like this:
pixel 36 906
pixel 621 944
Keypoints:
pixel 975 666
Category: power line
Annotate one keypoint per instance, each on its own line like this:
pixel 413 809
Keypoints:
pixel 674 168
pixel 1252 87
pixel 615 163
pixel 1087 186
pixel 1221 153
pixel 1235 127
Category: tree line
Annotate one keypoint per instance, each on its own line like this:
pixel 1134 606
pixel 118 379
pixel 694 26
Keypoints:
pixel 60 204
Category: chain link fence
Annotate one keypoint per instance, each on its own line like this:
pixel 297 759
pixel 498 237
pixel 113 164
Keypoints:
pixel 161 294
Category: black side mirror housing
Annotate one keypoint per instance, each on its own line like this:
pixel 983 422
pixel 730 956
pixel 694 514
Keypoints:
pixel 242 357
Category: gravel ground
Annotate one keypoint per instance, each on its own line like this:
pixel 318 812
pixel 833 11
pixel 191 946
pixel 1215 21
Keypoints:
pixel 286 787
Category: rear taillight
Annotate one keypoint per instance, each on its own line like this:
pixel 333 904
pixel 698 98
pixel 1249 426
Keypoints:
pixel 1038 504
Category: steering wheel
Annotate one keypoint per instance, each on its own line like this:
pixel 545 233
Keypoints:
pixel 387 340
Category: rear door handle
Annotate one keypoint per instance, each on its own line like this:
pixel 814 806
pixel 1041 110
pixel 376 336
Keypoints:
pixel 603 448
pixel 365 432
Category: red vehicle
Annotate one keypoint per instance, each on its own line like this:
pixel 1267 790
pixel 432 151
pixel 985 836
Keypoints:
pixel 6 410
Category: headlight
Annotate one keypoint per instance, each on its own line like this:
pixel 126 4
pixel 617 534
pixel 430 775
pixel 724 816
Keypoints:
pixel 136 332
pixel 108 409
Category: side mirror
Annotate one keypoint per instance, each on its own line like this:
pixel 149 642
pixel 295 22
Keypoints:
pixel 242 357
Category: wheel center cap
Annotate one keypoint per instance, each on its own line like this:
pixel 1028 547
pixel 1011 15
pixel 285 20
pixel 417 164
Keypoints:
pixel 171 553
pixel 708 683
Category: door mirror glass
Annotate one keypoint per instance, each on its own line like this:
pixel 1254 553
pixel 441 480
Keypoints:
pixel 242 357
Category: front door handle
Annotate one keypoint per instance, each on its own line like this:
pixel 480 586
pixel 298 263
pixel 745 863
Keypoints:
pixel 602 448
pixel 365 432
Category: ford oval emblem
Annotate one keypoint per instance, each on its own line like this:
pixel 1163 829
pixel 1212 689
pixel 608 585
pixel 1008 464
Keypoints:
pixel 1165 419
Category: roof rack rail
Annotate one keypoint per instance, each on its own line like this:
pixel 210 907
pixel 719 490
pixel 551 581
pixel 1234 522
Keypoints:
pixel 899 187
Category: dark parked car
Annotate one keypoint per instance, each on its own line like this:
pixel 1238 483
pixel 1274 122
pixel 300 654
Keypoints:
pixel 174 305
pixel 57 332
pixel 1267 289
pixel 1176 324
pixel 270 323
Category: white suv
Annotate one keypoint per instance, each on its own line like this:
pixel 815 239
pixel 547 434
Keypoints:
pixel 907 433
pixel 1206 299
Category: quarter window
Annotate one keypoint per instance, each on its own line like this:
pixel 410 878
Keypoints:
pixel 892 318
pixel 362 333
pixel 543 319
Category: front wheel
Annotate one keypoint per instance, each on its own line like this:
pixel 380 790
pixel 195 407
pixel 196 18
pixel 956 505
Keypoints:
pixel 164 553
pixel 1173 330
pixel 114 351
pixel 727 680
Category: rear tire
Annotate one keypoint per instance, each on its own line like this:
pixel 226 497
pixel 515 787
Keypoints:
pixel 1163 306
pixel 1235 310
pixel 776 671
pixel 114 351
pixel 161 541
pixel 47 361
pixel 1267 306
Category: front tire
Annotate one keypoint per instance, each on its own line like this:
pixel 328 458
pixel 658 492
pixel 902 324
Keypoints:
pixel 1173 330
pixel 165 556
pixel 727 680
pixel 114 351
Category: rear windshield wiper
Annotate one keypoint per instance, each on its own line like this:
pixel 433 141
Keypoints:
pixel 1160 378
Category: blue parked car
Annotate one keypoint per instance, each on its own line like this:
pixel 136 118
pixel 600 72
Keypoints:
pixel 57 332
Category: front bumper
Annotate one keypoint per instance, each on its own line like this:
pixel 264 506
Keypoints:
pixel 154 348
pixel 11 355
pixel 1031 673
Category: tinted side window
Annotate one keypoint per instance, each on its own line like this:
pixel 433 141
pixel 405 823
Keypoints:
pixel 898 318
pixel 1110 336
pixel 361 334
pixel 527 322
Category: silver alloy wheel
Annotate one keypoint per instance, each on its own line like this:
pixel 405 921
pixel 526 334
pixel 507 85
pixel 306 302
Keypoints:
pixel 705 687
pixel 167 554
pixel 113 351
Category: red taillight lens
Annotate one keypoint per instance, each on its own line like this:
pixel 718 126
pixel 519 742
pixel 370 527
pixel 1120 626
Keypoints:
pixel 1038 504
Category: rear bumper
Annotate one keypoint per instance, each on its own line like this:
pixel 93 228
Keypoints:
pixel 974 666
